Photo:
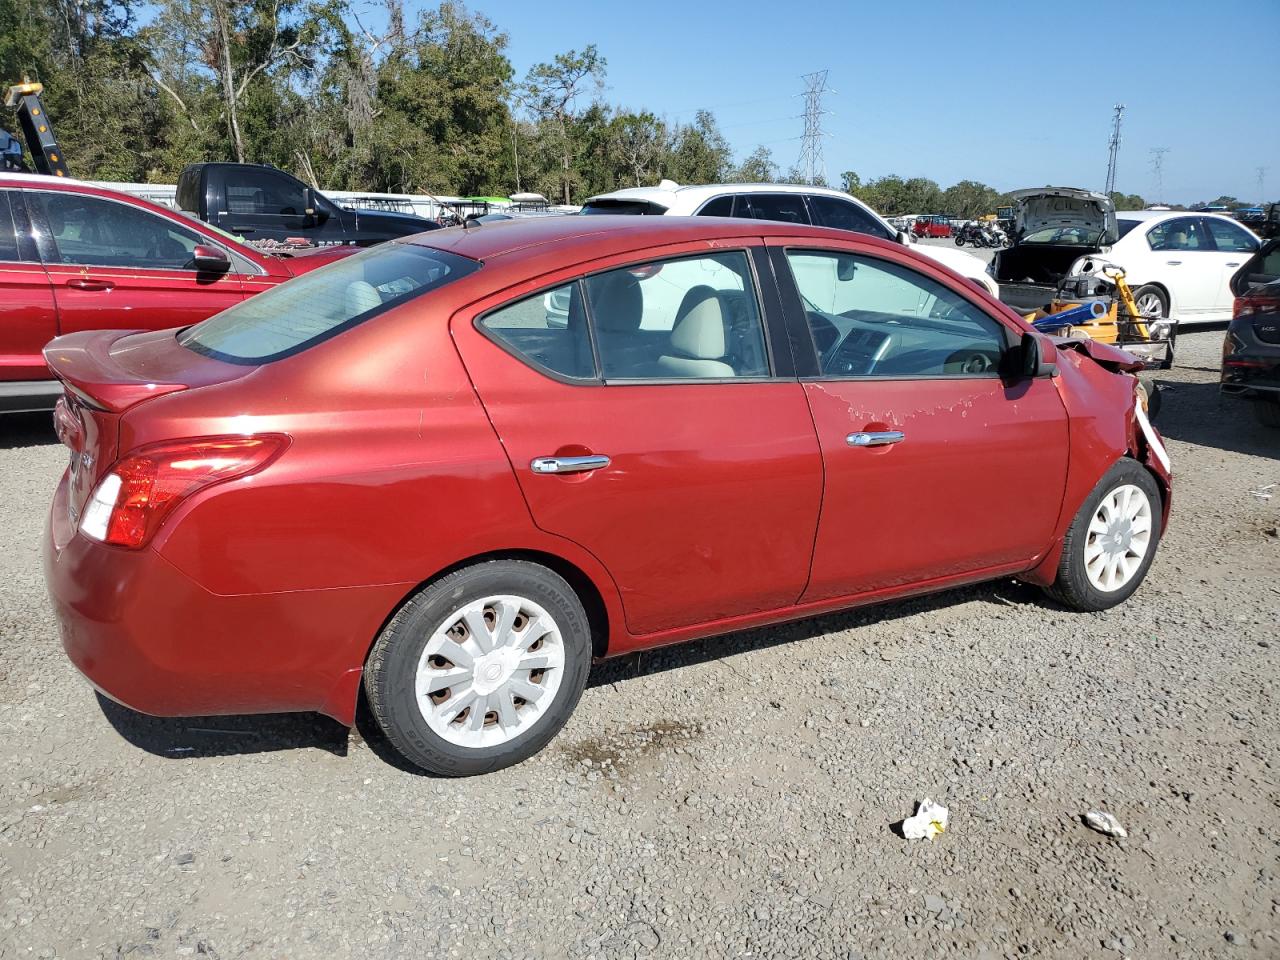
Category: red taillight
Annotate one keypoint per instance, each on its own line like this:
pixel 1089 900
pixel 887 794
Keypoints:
pixel 133 499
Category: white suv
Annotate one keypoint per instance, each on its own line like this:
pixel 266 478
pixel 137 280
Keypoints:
pixel 790 203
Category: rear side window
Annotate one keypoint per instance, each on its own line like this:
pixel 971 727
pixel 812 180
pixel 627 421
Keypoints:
pixel 784 207
pixel 843 215
pixel 624 207
pixel 547 331
pixel 719 207
pixel 323 303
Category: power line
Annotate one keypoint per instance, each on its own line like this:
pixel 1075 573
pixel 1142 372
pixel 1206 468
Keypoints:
pixel 1157 169
pixel 811 164
pixel 1115 149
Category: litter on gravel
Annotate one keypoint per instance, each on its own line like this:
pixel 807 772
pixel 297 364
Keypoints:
pixel 1264 493
pixel 1104 822
pixel 929 821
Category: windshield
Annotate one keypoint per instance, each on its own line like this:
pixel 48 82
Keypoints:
pixel 624 207
pixel 1065 236
pixel 324 302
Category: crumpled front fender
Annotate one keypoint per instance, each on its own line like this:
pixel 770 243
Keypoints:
pixel 1104 354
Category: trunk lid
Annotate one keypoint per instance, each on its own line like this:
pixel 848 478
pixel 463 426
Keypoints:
pixel 107 372
pixel 1045 208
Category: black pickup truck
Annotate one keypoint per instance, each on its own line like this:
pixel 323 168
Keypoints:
pixel 268 207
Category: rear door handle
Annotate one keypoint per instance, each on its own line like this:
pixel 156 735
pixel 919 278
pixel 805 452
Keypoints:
pixel 81 283
pixel 568 464
pixel 1174 263
pixel 880 438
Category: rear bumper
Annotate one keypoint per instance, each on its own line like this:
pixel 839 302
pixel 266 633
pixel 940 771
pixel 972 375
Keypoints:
pixel 1250 366
pixel 147 636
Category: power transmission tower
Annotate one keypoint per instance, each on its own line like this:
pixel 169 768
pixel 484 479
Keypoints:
pixel 1262 184
pixel 1157 169
pixel 1115 149
pixel 811 164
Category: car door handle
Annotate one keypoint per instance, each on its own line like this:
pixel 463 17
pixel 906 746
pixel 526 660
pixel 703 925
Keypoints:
pixel 1236 264
pixel 239 229
pixel 568 464
pixel 1174 263
pixel 881 438
pixel 82 283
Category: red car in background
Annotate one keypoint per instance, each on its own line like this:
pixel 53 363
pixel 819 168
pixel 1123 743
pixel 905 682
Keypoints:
pixel 931 226
pixel 458 468
pixel 74 257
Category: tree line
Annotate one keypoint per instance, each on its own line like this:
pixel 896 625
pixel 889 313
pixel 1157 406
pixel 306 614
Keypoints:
pixel 387 101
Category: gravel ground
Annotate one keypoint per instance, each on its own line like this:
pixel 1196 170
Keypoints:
pixel 730 798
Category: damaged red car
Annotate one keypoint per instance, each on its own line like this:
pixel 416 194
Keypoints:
pixel 456 470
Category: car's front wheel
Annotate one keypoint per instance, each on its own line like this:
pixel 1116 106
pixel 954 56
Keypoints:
pixel 481 668
pixel 1112 540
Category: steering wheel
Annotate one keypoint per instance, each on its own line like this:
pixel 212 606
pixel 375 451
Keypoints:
pixel 977 363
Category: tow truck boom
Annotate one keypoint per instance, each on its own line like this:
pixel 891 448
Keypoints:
pixel 37 130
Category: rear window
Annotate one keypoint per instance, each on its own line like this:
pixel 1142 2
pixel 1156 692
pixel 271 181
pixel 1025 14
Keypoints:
pixel 321 304
pixel 625 207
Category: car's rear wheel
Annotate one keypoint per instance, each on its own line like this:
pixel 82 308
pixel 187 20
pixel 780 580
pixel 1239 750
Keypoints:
pixel 481 668
pixel 1112 540
pixel 1267 412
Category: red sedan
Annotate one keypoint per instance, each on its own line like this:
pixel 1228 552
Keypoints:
pixel 77 257
pixel 458 468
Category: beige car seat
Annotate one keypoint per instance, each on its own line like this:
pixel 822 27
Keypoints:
pixel 698 342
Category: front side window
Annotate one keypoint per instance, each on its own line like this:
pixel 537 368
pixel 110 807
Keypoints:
pixel 693 318
pixel 874 318
pixel 324 302
pixel 263 193
pixel 785 207
pixel 98 232
pixel 843 215
pixel 1182 233
pixel 1230 238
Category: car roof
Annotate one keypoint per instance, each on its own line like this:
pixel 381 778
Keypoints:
pixel 606 234
pixel 1149 215
pixel 15 178
pixel 694 193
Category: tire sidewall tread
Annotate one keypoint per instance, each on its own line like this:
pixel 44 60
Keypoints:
pixel 392 665
pixel 1072 587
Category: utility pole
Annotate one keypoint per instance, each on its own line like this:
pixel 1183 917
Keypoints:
pixel 811 164
pixel 1157 169
pixel 1115 149
pixel 1262 185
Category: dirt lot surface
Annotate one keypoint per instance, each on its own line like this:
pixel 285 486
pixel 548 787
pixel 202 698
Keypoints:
pixel 731 798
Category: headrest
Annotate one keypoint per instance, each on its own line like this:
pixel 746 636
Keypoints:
pixel 617 304
pixel 699 329
pixel 360 297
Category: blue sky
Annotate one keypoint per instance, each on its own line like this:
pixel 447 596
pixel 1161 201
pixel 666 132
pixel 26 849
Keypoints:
pixel 1010 93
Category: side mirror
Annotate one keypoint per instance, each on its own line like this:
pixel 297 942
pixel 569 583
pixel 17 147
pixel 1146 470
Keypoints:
pixel 846 268
pixel 904 238
pixel 1035 357
pixel 206 258
pixel 315 214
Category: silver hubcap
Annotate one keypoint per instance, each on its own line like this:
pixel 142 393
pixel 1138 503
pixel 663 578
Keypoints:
pixel 1149 305
pixel 1119 537
pixel 490 671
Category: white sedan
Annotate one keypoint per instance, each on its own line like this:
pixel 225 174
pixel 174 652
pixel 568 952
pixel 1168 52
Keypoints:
pixel 1179 263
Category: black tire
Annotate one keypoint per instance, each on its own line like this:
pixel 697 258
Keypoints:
pixel 389 676
pixel 959 240
pixel 1267 412
pixel 1072 587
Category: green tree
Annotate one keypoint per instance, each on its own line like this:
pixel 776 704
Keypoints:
pixel 758 167
pixel 699 152
pixel 551 90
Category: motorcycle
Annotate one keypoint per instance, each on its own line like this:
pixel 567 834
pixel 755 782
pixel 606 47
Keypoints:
pixel 970 233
